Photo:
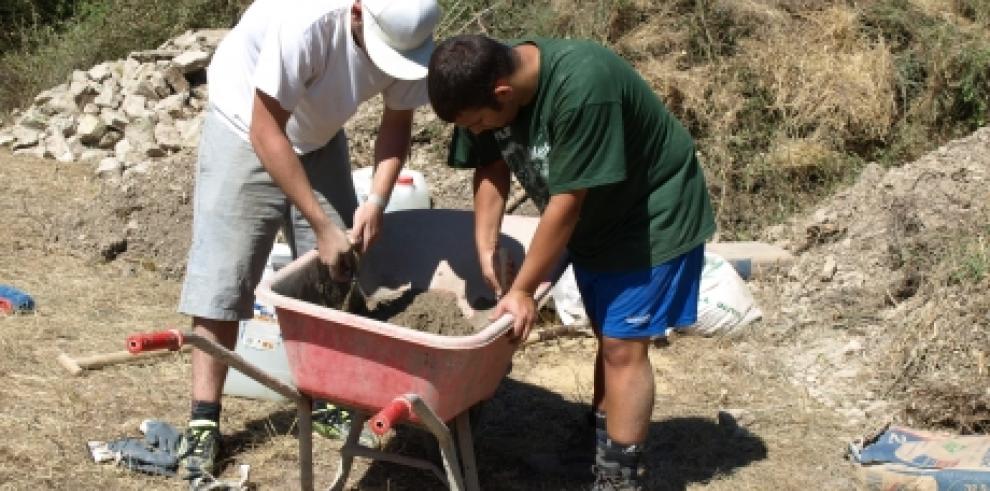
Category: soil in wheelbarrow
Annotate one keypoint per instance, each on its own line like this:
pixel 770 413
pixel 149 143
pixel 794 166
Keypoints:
pixel 431 311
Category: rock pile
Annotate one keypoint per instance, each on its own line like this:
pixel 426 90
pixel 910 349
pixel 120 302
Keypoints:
pixel 124 113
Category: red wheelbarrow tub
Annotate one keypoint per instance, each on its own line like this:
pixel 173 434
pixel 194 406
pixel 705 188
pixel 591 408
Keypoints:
pixel 364 364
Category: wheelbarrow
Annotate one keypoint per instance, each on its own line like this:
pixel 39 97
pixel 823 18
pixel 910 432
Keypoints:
pixel 384 373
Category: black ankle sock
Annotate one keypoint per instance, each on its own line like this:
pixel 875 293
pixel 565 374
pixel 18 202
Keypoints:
pixel 601 432
pixel 624 455
pixel 599 419
pixel 205 410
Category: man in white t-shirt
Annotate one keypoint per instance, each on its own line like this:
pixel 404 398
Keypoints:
pixel 273 152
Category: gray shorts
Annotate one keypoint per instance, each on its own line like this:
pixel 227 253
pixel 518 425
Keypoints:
pixel 237 211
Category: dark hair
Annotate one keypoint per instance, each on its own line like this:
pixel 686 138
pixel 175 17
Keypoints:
pixel 463 71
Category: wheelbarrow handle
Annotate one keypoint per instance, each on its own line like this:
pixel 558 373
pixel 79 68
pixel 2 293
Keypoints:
pixel 394 413
pixel 151 341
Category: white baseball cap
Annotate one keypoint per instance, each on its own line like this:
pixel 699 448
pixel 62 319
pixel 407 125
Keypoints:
pixel 398 35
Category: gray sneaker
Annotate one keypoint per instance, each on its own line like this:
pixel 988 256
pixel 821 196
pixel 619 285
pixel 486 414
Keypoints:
pixel 613 477
pixel 199 448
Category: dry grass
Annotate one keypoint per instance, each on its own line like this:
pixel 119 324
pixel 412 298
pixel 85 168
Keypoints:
pixel 834 85
pixel 940 357
pixel 86 308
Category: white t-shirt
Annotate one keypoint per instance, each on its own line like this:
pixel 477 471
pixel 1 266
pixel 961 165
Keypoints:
pixel 301 53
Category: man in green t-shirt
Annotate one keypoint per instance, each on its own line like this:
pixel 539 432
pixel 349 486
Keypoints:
pixel 620 189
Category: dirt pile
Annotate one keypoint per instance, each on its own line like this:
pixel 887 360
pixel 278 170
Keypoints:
pixel 887 297
pixel 144 222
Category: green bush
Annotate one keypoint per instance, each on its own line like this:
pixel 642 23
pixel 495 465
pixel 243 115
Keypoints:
pixel 942 70
pixel 98 30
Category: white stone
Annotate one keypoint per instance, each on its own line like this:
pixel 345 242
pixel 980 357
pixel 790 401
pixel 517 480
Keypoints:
pixel 190 130
pixel 167 136
pixel 34 119
pixel 829 269
pixel 56 147
pixel 83 92
pixel 185 40
pixel 114 119
pixel 176 79
pixel 35 151
pixel 109 168
pixel 134 106
pixel 79 76
pixel 93 154
pixel 63 123
pixel 129 68
pixel 141 134
pixel 190 61
pixel 91 108
pixel 6 138
pixel 75 146
pixel 25 137
pixel 90 129
pixel 140 167
pixel 61 102
pixel 100 72
pixel 44 96
pixel 122 150
pixel 172 105
pixel 107 95
pixel 201 92
pixel 210 38
pixel 153 86
pixel 852 347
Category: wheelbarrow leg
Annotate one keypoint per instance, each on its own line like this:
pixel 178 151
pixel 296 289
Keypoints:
pixel 304 411
pixel 465 441
pixel 448 449
pixel 346 452
pixel 400 409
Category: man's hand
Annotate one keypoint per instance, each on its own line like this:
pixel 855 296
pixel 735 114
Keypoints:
pixel 497 270
pixel 523 309
pixel 335 251
pixel 367 225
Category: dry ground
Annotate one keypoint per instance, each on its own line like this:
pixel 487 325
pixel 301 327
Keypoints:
pixel 791 440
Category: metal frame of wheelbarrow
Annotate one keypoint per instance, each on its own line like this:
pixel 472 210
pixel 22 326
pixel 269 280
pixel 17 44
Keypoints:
pixel 456 477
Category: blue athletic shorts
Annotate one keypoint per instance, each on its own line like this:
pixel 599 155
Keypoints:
pixel 644 303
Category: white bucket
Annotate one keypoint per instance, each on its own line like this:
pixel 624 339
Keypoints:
pixel 410 191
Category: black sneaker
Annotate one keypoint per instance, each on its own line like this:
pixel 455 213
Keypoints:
pixel 200 447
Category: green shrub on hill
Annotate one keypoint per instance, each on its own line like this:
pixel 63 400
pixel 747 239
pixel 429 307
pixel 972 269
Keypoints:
pixel 44 49
pixel 787 98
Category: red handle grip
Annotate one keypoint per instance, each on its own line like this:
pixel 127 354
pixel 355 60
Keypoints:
pixel 151 341
pixel 394 413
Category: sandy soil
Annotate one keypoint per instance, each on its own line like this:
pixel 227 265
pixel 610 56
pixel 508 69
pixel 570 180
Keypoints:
pixel 811 376
pixel 87 306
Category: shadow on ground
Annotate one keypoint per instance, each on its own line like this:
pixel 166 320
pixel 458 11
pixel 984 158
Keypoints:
pixel 529 438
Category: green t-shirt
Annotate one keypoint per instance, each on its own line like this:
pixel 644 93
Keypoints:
pixel 595 124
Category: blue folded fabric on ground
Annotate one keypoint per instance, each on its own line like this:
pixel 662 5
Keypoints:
pixel 19 300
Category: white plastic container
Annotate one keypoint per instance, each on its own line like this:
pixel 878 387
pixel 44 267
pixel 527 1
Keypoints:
pixel 410 191
pixel 259 342
pixel 280 256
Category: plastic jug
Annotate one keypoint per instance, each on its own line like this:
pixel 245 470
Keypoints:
pixel 259 342
pixel 410 191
